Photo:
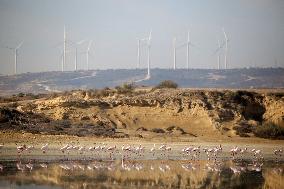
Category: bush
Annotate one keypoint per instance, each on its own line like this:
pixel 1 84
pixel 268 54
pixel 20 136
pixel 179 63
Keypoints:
pixel 21 95
pixel 126 88
pixel 158 130
pixel 269 130
pixel 167 84
pixel 100 92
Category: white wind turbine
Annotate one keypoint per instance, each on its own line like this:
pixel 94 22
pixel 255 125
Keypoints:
pixel 147 42
pixel 88 53
pixel 138 54
pixel 187 50
pixel 226 48
pixel 218 52
pixel 175 50
pixel 16 55
pixel 219 56
pixel 76 52
pixel 187 44
pixel 148 47
pixel 64 50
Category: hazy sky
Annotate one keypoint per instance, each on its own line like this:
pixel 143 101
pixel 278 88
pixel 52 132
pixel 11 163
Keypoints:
pixel 255 29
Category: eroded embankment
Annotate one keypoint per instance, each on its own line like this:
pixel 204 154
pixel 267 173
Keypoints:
pixel 161 112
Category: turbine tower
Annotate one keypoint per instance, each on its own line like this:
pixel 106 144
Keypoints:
pixel 174 48
pixel 138 54
pixel 226 49
pixel 218 52
pixel 64 51
pixel 16 56
pixel 218 56
pixel 149 46
pixel 187 44
pixel 88 53
pixel 187 50
pixel 76 52
pixel 147 43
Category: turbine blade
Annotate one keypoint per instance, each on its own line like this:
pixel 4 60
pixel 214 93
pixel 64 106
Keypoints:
pixel 19 45
pixel 188 40
pixel 181 45
pixel 149 38
pixel 80 42
pixel 225 35
pixel 89 46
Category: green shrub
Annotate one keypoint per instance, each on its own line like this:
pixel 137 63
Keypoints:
pixel 157 130
pixel 21 95
pixel 167 84
pixel 269 130
pixel 126 88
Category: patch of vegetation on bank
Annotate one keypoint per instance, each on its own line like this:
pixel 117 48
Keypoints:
pixel 126 88
pixel 21 97
pixel 269 130
pixel 167 84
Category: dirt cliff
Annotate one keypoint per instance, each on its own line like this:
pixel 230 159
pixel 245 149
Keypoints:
pixel 167 112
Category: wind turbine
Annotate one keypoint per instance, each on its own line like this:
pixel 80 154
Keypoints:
pixel 187 44
pixel 64 50
pixel 138 54
pixel 175 49
pixel 147 42
pixel 187 50
pixel 226 48
pixel 88 53
pixel 148 47
pixel 218 56
pixel 76 52
pixel 16 55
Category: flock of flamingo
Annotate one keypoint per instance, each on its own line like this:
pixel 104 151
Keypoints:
pixel 163 151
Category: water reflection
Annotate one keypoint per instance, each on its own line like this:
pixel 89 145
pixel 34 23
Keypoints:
pixel 141 174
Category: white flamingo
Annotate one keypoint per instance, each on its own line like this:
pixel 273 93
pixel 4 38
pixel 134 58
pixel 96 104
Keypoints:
pixel 44 148
pixel 21 148
pixel 153 149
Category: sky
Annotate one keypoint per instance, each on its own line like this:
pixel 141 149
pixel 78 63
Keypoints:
pixel 255 29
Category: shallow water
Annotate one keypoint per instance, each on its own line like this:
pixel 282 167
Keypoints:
pixel 141 174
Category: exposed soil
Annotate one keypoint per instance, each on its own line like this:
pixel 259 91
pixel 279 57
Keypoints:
pixel 180 113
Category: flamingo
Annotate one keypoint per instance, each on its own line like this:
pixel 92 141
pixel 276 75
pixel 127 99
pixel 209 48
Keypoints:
pixel 153 149
pixel 21 148
pixel 43 165
pixel 126 149
pixel 44 148
pixel 20 166
pixel 278 152
pixel 30 166
pixel 111 149
pixel 29 148
pixel 163 147
pixel 81 149
pixel 235 170
pixel 234 151
pixel 64 148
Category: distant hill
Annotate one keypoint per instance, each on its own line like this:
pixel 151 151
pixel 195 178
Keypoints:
pixel 193 78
